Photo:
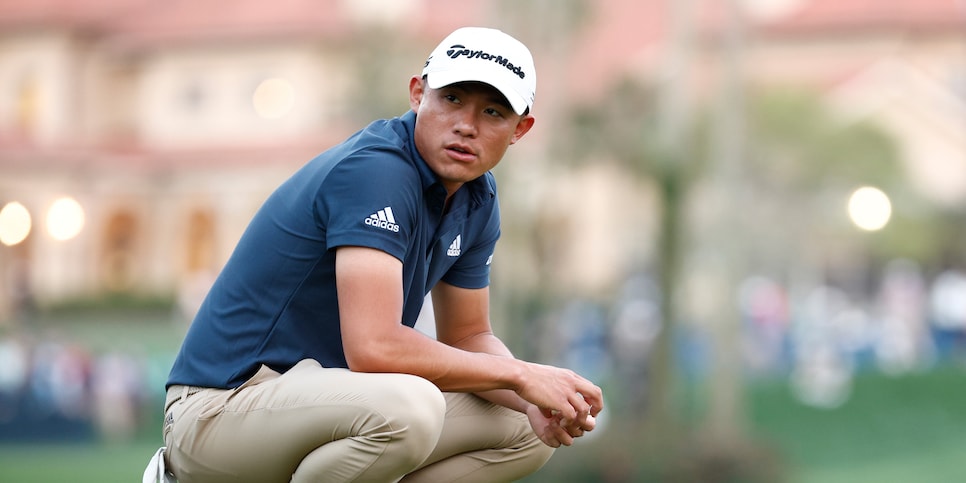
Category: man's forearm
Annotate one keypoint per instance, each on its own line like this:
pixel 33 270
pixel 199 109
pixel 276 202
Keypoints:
pixel 491 344
pixel 506 398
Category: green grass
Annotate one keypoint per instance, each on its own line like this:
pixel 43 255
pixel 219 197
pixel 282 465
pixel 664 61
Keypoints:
pixel 908 429
pixel 151 334
pixel 892 429
pixel 75 463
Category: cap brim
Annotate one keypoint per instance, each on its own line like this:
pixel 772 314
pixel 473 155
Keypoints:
pixel 438 79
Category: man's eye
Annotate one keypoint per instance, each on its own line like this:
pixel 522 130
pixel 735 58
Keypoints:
pixel 451 98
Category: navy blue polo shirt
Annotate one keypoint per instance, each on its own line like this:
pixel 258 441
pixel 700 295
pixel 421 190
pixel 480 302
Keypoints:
pixel 275 301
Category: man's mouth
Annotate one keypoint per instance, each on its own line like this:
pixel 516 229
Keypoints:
pixel 461 152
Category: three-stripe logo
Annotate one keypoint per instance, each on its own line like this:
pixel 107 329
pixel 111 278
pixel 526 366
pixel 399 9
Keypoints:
pixel 383 219
pixel 454 248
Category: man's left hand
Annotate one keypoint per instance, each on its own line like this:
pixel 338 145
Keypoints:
pixel 554 431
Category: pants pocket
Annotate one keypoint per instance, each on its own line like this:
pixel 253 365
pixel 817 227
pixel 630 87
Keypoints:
pixel 216 403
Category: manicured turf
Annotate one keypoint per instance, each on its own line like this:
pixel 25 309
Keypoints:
pixel 75 463
pixel 893 429
pixel 907 429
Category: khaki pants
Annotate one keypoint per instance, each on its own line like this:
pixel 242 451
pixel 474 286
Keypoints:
pixel 314 424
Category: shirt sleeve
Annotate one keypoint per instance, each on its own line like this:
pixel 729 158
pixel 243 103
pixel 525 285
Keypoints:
pixel 370 200
pixel 472 269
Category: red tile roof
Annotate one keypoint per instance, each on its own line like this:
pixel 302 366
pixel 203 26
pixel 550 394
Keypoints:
pixel 154 22
pixel 162 21
pixel 824 16
pixel 190 20
pixel 63 13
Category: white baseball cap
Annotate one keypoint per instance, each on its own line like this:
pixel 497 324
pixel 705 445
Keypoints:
pixel 485 55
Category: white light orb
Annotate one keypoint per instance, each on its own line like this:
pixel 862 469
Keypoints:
pixel 869 208
pixel 15 223
pixel 273 98
pixel 65 219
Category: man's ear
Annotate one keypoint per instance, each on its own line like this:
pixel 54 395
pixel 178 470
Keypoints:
pixel 526 122
pixel 416 89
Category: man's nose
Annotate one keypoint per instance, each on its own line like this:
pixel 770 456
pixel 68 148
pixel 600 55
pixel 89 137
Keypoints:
pixel 466 123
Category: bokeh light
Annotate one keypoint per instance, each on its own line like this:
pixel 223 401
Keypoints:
pixel 65 219
pixel 869 208
pixel 14 223
pixel 273 98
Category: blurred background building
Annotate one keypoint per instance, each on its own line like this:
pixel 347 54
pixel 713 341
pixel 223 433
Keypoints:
pixel 168 123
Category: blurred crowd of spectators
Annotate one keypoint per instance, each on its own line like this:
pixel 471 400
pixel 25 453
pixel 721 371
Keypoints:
pixel 909 325
pixel 817 338
pixel 55 389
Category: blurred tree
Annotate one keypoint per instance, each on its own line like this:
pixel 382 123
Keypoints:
pixel 626 129
pixel 383 63
pixel 802 164
pixel 550 28
pixel 647 128
pixel 783 196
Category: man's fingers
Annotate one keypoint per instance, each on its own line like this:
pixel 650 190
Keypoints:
pixel 581 426
pixel 568 413
pixel 550 441
pixel 575 431
pixel 556 436
pixel 579 404
pixel 562 435
pixel 592 394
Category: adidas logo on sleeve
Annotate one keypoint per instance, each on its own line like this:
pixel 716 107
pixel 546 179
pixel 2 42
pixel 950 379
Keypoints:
pixel 383 219
pixel 454 248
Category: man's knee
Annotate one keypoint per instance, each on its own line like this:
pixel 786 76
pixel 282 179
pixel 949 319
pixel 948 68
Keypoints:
pixel 417 409
pixel 421 404
pixel 399 425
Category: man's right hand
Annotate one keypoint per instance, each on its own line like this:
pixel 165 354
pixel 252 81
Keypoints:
pixel 561 393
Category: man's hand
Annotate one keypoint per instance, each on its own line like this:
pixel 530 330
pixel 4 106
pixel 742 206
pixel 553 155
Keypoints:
pixel 552 432
pixel 561 393
pixel 564 405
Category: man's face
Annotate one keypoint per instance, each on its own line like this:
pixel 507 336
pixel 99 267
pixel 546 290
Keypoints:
pixel 463 130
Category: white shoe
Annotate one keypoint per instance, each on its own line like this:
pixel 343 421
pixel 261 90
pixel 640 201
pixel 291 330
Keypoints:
pixel 155 472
